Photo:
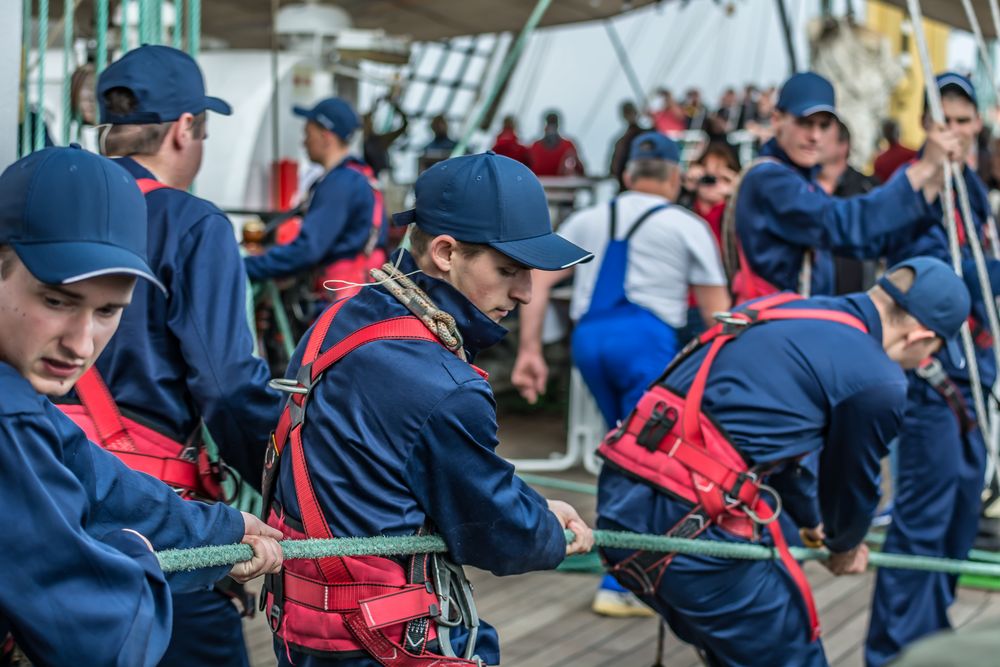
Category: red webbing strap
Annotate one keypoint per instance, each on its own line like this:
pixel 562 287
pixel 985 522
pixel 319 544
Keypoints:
pixel 407 327
pixel 379 206
pixel 171 471
pixel 809 314
pixel 313 521
pixel 410 603
pixel 147 185
pixel 764 511
pixel 100 405
pixel 391 654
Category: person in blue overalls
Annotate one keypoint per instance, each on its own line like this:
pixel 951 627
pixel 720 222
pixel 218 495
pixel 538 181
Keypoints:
pixel 942 455
pixel 186 360
pixel 411 446
pixel 627 305
pixel 786 226
pixel 782 391
pixel 343 216
pixel 79 584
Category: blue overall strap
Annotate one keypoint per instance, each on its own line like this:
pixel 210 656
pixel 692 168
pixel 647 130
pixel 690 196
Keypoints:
pixel 609 288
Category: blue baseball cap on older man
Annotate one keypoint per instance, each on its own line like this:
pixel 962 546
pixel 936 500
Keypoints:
pixel 334 114
pixel 493 200
pixel 166 83
pixel 71 215
pixel 654 146
pixel 806 93
pixel 938 299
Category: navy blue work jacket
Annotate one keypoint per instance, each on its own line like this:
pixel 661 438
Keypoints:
pixel 781 213
pixel 178 359
pixel 790 389
pixel 335 226
pixel 403 433
pixel 934 243
pixel 74 588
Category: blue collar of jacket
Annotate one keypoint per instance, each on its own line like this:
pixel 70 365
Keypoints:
pixel 860 305
pixel 772 149
pixel 478 331
pixel 134 168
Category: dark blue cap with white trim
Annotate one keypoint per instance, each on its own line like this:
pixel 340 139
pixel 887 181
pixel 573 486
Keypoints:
pixel 493 200
pixel 166 83
pixel 333 114
pixel 956 81
pixel 938 299
pixel 807 93
pixel 71 215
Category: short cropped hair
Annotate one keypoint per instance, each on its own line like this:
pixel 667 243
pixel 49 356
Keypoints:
pixel 657 170
pixel 143 139
pixel 420 243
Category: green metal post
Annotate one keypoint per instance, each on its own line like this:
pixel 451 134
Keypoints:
pixel 69 8
pixel 126 37
pixel 505 70
pixel 25 106
pixel 178 36
pixel 43 47
pixel 143 22
pixel 102 35
pixel 194 27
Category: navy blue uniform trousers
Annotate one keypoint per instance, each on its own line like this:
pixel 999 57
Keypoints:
pixel 936 513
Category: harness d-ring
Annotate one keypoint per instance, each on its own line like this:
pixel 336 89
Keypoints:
pixel 777 507
pixel 288 386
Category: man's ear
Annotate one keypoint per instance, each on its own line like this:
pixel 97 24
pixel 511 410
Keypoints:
pixel 441 251
pixel 918 335
pixel 182 131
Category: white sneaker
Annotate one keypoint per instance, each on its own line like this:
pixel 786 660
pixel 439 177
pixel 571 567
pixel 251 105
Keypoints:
pixel 619 604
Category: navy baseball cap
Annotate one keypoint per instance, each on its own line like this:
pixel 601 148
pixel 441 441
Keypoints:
pixel 654 146
pixel 938 299
pixel 807 93
pixel 492 199
pixel 71 215
pixel 334 114
pixel 953 80
pixel 166 82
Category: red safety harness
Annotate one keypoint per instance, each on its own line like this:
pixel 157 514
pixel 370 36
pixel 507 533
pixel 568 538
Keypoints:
pixel 185 466
pixel 673 445
pixel 355 269
pixel 337 606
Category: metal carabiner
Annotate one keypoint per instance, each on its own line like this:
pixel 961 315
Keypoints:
pixel 287 386
pixel 777 507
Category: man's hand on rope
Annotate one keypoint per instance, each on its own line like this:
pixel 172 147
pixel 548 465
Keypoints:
pixel 854 561
pixel 266 553
pixel 927 173
pixel 570 519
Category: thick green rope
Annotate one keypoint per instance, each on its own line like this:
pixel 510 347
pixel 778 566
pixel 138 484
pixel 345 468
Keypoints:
pixel 191 559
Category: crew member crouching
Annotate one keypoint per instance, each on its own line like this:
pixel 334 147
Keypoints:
pixel 741 407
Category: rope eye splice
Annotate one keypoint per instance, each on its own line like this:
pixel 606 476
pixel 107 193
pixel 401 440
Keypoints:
pixel 176 560
pixel 407 292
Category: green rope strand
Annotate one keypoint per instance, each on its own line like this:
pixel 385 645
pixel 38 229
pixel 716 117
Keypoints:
pixel 43 47
pixel 102 35
pixel 25 146
pixel 178 36
pixel 126 32
pixel 559 484
pixel 191 559
pixel 194 27
pixel 69 8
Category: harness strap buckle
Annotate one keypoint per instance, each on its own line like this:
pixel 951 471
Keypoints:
pixel 733 495
pixel 733 324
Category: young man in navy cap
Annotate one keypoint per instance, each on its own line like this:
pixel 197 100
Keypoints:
pixel 786 227
pixel 180 362
pixel 942 453
pixel 342 233
pixel 808 397
pixel 409 448
pixel 629 304
pixel 79 583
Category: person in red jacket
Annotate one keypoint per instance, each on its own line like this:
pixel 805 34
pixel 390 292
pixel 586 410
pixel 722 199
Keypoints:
pixel 509 145
pixel 893 157
pixel 553 154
